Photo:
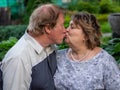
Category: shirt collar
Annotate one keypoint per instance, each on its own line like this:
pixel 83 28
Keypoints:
pixel 38 48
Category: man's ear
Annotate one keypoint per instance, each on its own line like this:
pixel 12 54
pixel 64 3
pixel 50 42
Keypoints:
pixel 47 29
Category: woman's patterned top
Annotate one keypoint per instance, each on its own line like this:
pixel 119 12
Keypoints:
pixel 99 73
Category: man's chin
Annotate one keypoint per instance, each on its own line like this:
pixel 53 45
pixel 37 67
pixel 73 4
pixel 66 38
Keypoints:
pixel 60 42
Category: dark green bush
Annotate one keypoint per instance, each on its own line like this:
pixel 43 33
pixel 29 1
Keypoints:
pixel 105 39
pixel 11 31
pixel 113 48
pixel 5 45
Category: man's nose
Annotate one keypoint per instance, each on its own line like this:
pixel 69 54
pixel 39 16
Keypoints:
pixel 64 29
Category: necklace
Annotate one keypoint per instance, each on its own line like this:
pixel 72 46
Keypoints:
pixel 80 59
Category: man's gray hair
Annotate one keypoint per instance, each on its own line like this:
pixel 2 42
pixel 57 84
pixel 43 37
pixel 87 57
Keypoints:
pixel 46 14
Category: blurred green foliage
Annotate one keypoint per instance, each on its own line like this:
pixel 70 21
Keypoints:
pixel 31 5
pixel 106 7
pixel 5 45
pixel 92 6
pixel 102 17
pixel 113 48
pixel 105 27
pixel 98 7
pixel 67 20
pixel 84 6
pixel 11 31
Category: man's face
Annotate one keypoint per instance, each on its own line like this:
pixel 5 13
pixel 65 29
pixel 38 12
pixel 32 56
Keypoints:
pixel 58 33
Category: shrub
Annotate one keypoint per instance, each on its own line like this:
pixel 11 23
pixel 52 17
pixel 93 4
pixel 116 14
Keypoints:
pixel 105 27
pixel 84 6
pixel 11 31
pixel 105 39
pixel 102 17
pixel 113 48
pixel 6 45
pixel 106 7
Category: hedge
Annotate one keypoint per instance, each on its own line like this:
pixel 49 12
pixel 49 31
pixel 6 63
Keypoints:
pixel 11 31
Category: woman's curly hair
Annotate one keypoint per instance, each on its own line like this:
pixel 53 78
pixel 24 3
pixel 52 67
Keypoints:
pixel 90 27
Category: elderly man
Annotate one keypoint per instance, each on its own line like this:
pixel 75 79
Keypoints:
pixel 31 63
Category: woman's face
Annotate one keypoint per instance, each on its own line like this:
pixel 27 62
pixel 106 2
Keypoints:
pixel 75 35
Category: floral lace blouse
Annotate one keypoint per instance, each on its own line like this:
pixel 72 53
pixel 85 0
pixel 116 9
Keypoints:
pixel 99 73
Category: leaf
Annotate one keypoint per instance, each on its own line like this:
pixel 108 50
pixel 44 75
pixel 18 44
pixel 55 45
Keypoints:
pixel 117 48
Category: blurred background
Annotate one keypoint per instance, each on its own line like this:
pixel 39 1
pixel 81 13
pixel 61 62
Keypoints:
pixel 14 12
pixel 14 17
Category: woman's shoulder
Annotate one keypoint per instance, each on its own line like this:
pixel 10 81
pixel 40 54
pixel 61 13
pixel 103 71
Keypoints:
pixel 108 59
pixel 103 57
pixel 105 54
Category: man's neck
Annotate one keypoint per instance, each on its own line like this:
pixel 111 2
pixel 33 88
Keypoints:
pixel 41 39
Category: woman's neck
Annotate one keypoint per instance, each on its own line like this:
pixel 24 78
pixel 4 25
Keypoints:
pixel 80 54
pixel 79 50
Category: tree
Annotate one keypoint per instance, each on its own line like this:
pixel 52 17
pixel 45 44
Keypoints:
pixel 5 16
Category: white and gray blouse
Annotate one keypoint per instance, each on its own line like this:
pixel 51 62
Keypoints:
pixel 99 73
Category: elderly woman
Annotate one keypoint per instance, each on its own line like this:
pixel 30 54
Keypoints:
pixel 84 65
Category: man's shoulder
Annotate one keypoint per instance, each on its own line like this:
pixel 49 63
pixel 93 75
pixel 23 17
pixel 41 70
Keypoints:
pixel 18 51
